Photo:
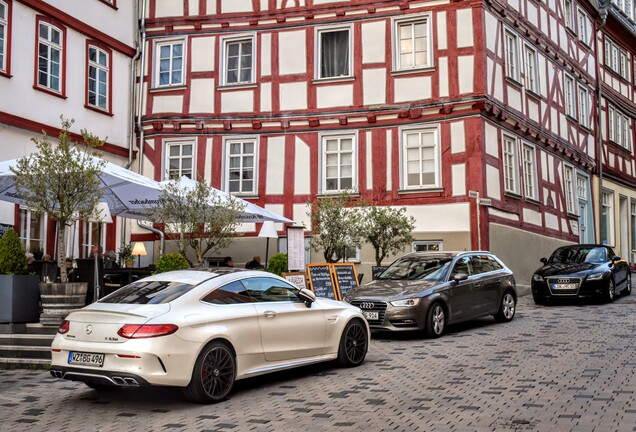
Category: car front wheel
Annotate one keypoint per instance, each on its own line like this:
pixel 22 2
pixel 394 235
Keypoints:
pixel 353 344
pixel 628 285
pixel 213 375
pixel 507 308
pixel 435 321
pixel 610 293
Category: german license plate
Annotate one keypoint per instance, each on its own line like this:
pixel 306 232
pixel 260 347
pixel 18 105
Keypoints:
pixel 566 286
pixel 371 315
pixel 85 359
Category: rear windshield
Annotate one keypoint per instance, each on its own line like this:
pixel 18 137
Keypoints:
pixel 416 268
pixel 578 255
pixel 150 292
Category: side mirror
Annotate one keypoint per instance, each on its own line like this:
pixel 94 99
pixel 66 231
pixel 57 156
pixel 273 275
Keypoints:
pixel 544 260
pixel 460 277
pixel 307 296
pixel 616 258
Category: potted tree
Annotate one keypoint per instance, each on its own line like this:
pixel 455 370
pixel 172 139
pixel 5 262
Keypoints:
pixel 61 180
pixel 19 295
pixel 126 258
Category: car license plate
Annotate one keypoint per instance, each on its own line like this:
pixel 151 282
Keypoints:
pixel 567 286
pixel 85 359
pixel 371 315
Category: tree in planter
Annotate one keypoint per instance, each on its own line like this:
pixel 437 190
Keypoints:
pixel 200 218
pixel 61 181
pixel 336 225
pixel 12 254
pixel 388 230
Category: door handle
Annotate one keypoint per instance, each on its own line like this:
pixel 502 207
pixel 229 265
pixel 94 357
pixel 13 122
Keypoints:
pixel 477 285
pixel 269 314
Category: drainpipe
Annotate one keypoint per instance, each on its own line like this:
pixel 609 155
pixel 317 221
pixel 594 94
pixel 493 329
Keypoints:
pixel 162 236
pixel 131 110
pixel 603 15
pixel 140 96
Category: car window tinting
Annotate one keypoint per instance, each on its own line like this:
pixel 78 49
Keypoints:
pixel 494 263
pixel 417 268
pixel 481 264
pixel 264 289
pixel 578 255
pixel 232 293
pixel 462 266
pixel 152 292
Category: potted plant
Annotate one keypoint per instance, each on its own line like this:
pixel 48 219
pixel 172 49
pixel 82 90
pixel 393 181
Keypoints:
pixel 62 181
pixel 126 258
pixel 171 261
pixel 19 295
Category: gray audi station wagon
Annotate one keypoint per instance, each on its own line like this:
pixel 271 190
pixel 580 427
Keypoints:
pixel 429 290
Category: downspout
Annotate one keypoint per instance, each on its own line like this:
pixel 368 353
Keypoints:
pixel 603 15
pixel 162 243
pixel 133 69
pixel 142 70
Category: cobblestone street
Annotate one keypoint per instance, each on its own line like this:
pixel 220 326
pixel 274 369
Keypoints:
pixel 560 368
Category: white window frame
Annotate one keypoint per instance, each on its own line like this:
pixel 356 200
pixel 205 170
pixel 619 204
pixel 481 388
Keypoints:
pixel 584 28
pixel 353 136
pixel 318 45
pixel 427 243
pixel 98 67
pixel 241 39
pixel 241 140
pixel 583 106
pixel 437 163
pixel 529 158
pixel 4 36
pixel 397 24
pixel 607 206
pixel 568 14
pixel 511 53
pixel 167 144
pixel 611 120
pixel 570 96
pixel 24 233
pixel 51 47
pixel 581 187
pixel 531 71
pixel 510 160
pixel 568 186
pixel 633 224
pixel 157 63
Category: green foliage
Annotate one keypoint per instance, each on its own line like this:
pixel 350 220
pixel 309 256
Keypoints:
pixel 335 225
pixel 199 217
pixel 61 180
pixel 388 230
pixel 278 264
pixel 125 253
pixel 171 261
pixel 12 254
pixel 38 253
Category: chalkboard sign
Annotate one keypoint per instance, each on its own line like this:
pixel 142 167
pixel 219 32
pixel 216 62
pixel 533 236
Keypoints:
pixel 320 281
pixel 345 277
pixel 297 279
pixel 377 271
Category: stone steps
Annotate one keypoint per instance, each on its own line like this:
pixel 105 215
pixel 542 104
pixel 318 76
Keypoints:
pixel 26 346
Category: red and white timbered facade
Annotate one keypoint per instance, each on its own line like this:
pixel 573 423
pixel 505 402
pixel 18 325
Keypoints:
pixel 460 111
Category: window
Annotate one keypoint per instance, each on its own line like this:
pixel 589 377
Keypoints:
pixel 98 78
pixel 350 253
pixel 91 236
pixel 584 112
pixel 607 218
pixel 169 63
pixel 334 53
pixel 568 11
pixel 264 289
pixel 570 105
pixel 413 44
pixel 238 60
pixel 179 159
pixel 633 224
pixel 581 188
pixel 426 246
pixel 232 293
pixel 32 230
pixel 512 69
pixel 50 57
pixel 4 36
pixel 532 82
pixel 616 58
pixel 481 264
pixel 420 159
pixel 568 179
pixel 584 27
pixel 619 128
pixel 241 157
pixel 338 163
pixel 462 266
pixel 511 165
pixel 529 171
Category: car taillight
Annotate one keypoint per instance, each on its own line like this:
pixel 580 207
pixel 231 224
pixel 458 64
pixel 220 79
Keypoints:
pixel 64 327
pixel 139 331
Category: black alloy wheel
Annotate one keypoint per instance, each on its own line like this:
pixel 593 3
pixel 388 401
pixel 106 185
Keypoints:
pixel 213 375
pixel 353 344
pixel 628 285
pixel 435 320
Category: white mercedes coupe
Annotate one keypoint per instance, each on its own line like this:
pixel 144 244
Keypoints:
pixel 202 330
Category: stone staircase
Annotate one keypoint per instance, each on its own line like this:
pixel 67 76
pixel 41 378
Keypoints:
pixel 26 346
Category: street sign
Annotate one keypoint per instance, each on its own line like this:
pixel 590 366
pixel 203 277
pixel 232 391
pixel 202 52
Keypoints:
pixel 473 194
pixel 485 201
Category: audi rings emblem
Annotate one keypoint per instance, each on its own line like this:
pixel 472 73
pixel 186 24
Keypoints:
pixel 563 280
pixel 366 305
pixel 89 329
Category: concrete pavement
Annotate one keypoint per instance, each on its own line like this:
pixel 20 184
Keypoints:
pixel 559 368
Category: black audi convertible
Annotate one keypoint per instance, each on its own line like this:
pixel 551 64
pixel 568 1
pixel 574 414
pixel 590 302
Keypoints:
pixel 581 272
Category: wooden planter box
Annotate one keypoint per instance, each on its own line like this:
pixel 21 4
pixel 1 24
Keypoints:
pixel 19 299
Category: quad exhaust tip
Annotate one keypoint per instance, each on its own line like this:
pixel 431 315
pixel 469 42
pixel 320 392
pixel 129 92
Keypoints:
pixel 117 380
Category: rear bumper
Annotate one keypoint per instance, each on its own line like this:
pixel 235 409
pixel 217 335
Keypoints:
pixel 103 377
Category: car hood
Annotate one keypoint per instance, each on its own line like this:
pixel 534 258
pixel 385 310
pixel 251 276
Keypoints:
pixel 567 269
pixel 390 289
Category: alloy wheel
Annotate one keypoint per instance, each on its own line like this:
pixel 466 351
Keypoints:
pixel 217 372
pixel 508 306
pixel 355 343
pixel 438 320
pixel 611 290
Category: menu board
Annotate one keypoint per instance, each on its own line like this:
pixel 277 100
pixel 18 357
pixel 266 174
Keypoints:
pixel 346 278
pixel 295 248
pixel 297 279
pixel 320 281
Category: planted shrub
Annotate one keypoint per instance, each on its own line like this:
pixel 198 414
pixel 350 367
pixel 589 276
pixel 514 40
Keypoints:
pixel 12 254
pixel 171 261
pixel 278 264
